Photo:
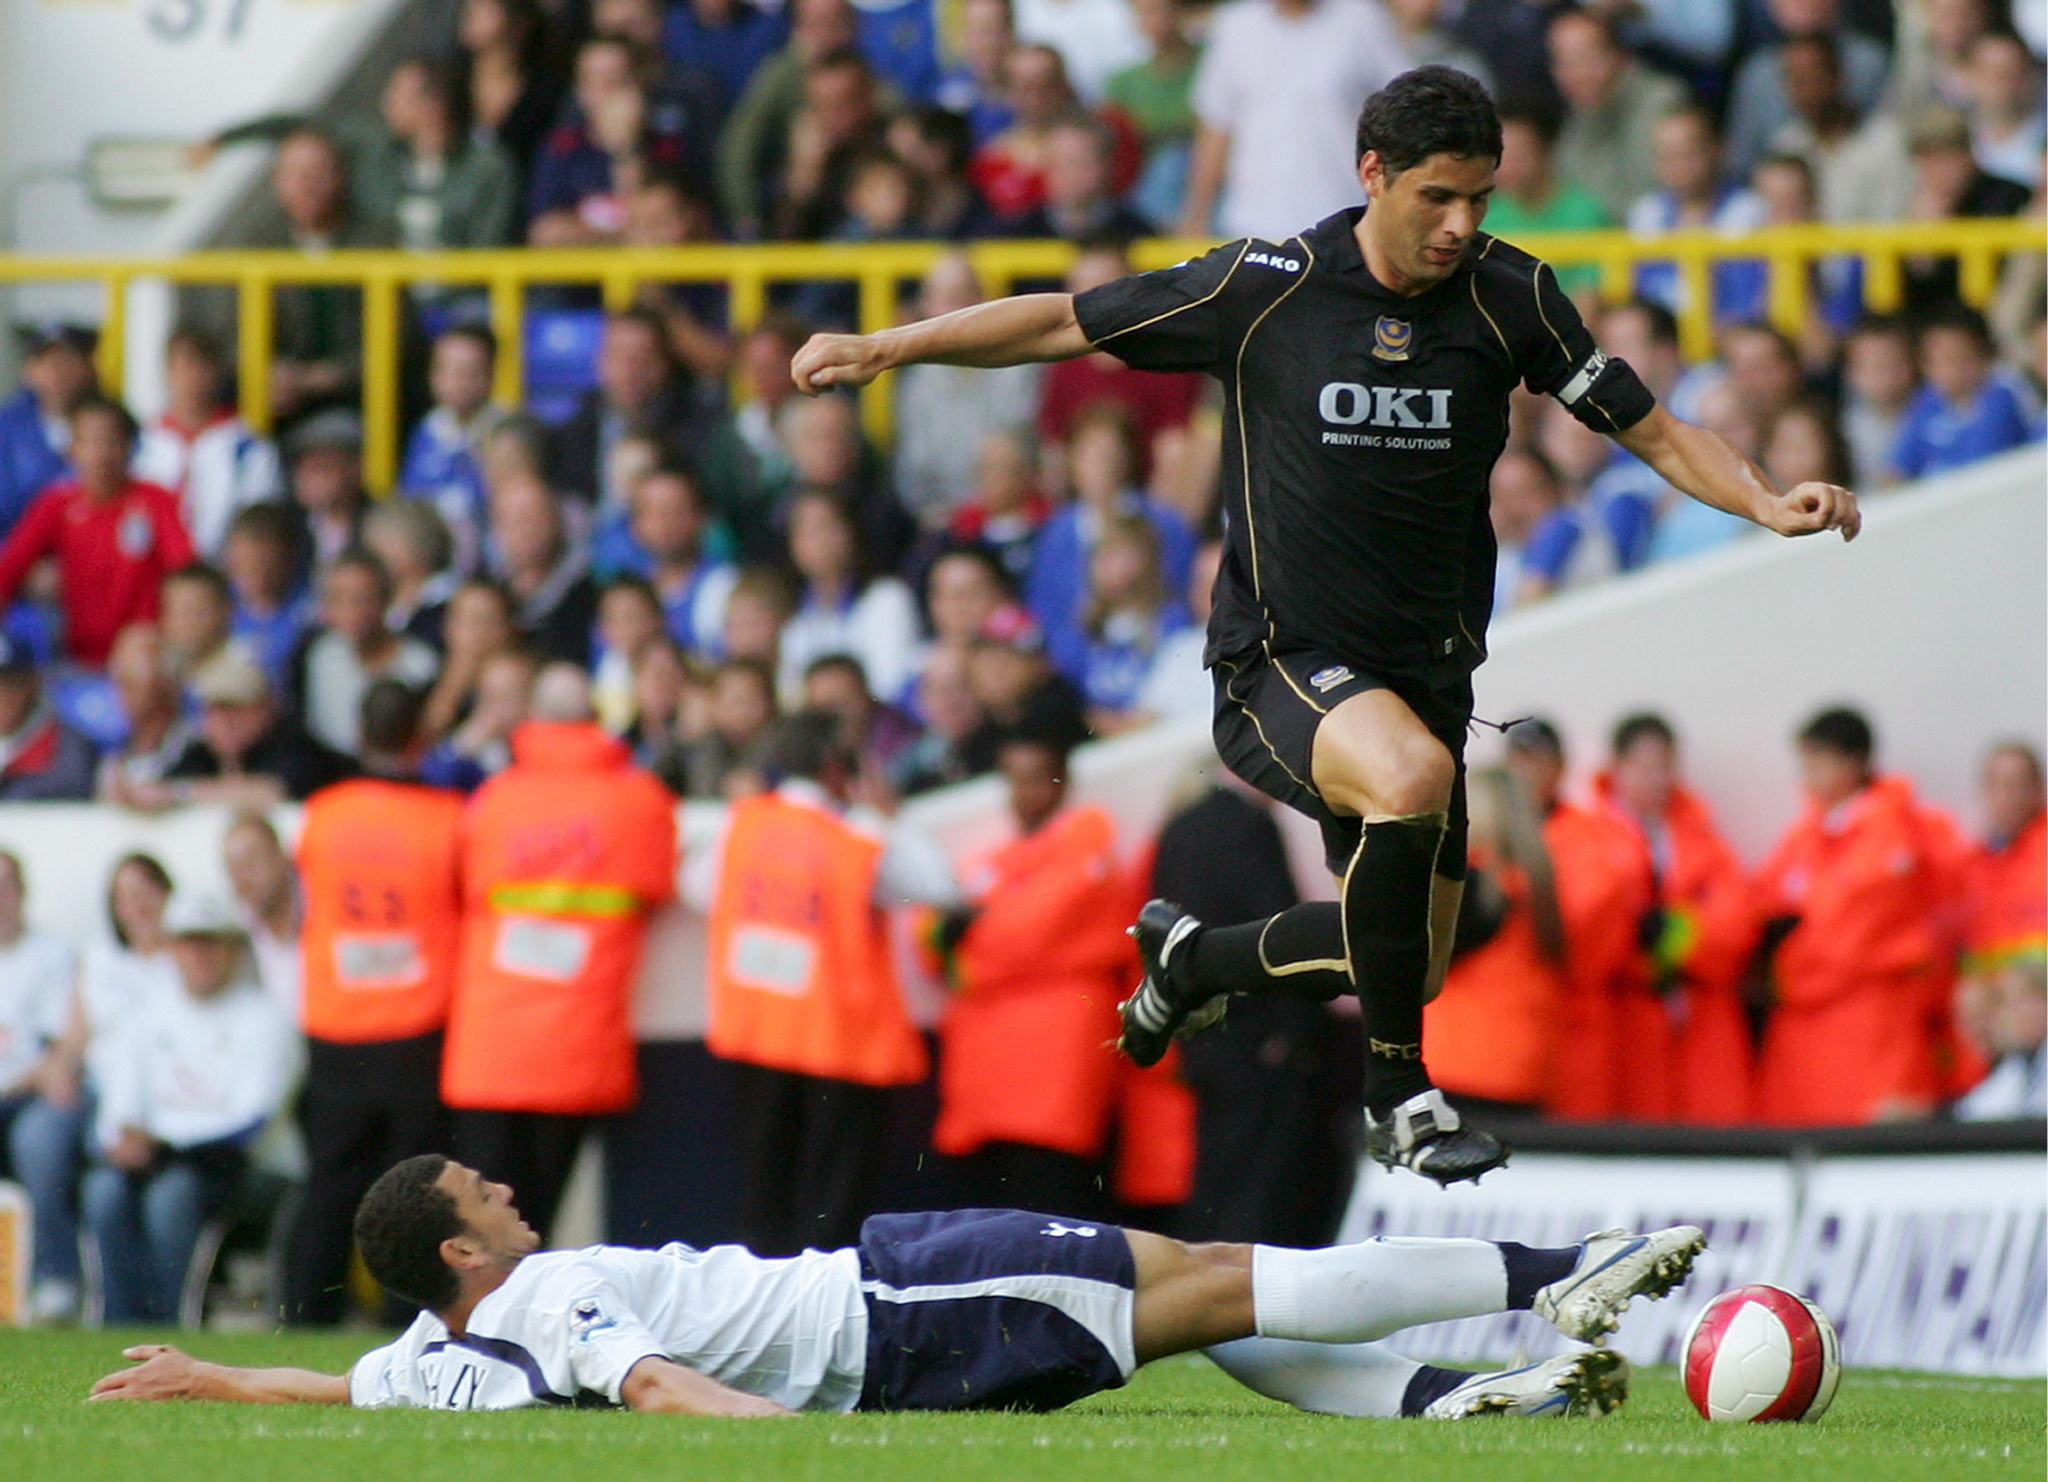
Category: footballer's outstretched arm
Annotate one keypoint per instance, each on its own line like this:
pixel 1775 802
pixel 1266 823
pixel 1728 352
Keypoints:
pixel 661 1386
pixel 162 1372
pixel 1006 331
pixel 1712 470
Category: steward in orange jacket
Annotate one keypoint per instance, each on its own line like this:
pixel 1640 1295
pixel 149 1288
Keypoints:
pixel 1604 890
pixel 1705 930
pixel 564 853
pixel 1028 1077
pixel 1860 1016
pixel 1494 1033
pixel 379 862
pixel 2006 895
pixel 805 1000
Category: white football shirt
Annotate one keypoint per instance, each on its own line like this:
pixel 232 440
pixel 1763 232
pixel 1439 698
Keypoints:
pixel 568 1326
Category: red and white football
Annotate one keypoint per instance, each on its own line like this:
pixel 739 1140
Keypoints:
pixel 1762 1353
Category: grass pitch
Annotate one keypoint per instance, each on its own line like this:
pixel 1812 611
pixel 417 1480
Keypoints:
pixel 1181 1419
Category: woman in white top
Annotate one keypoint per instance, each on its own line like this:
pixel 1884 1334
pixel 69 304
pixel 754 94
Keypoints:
pixel 844 608
pixel 191 1075
pixel 111 977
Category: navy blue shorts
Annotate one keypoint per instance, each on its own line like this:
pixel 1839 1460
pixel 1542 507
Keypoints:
pixel 994 1309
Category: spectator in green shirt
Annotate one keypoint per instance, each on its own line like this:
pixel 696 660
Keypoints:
pixel 1528 197
pixel 1154 96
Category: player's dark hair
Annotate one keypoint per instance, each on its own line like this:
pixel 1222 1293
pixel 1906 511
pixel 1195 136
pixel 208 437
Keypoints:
pixel 399 1229
pixel 1431 110
pixel 99 404
pixel 1644 723
pixel 1840 729
pixel 391 716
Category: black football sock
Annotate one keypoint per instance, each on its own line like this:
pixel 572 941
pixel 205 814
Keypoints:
pixel 1533 1267
pixel 1428 1385
pixel 1385 904
pixel 1299 953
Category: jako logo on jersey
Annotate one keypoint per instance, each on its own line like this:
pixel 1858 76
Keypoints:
pixel 1268 260
pixel 1328 679
pixel 1391 339
pixel 1055 1229
pixel 1349 404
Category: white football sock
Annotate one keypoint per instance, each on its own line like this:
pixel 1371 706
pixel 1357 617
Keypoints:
pixel 1329 1378
pixel 1356 1293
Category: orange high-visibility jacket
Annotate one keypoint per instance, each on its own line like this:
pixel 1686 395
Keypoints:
pixel 1026 1045
pixel 802 976
pixel 380 866
pixel 563 854
pixel 1711 928
pixel 1495 1030
pixel 1863 981
pixel 2006 919
pixel 1603 889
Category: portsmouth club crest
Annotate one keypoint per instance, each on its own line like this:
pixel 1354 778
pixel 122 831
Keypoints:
pixel 1391 338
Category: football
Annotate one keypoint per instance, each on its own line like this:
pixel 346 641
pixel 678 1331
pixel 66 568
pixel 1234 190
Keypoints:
pixel 1762 1353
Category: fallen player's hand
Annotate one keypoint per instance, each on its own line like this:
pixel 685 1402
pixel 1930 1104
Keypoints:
pixel 829 360
pixel 161 1372
pixel 1811 508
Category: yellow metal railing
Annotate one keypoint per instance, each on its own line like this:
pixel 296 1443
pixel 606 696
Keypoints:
pixel 877 269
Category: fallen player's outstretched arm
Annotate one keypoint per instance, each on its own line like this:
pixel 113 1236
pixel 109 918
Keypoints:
pixel 164 1373
pixel 1712 470
pixel 663 1387
pixel 1005 331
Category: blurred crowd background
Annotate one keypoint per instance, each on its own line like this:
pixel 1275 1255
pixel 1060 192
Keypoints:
pixel 667 576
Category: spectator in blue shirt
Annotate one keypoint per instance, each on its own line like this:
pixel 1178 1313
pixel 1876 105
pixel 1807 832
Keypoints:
pixel 272 611
pixel 442 463
pixel 1102 458
pixel 1965 409
pixel 726 38
pixel 1129 616
pixel 35 423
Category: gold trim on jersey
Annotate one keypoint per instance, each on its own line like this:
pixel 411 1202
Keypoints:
pixel 1244 448
pixel 1193 303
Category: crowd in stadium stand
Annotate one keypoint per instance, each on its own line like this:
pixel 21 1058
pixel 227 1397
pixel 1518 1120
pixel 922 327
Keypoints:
pixel 669 565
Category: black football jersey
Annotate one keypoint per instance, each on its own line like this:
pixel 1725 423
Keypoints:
pixel 1360 431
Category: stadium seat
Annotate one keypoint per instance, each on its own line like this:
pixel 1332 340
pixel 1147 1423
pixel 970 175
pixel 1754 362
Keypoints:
pixel 561 359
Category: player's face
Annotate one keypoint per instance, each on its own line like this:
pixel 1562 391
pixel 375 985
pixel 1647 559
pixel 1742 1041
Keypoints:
pixel 1423 219
pixel 488 1214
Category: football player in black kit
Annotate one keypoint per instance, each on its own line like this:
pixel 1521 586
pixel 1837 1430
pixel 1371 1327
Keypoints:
pixel 1366 365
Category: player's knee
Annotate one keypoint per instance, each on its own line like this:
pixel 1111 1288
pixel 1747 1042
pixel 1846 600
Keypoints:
pixel 1419 781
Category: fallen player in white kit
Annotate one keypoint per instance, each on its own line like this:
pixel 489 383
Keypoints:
pixel 972 1309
